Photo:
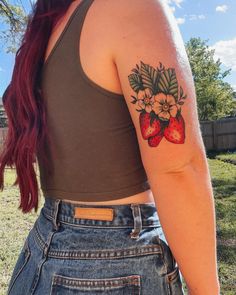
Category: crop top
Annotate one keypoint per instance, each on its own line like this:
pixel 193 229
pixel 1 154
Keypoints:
pixel 94 153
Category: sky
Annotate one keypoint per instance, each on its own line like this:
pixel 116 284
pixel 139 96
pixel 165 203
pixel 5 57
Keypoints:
pixel 211 20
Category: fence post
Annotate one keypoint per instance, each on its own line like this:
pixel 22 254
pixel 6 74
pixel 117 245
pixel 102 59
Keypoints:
pixel 215 135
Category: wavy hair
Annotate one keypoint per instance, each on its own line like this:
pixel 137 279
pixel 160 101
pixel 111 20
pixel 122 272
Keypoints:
pixel 24 105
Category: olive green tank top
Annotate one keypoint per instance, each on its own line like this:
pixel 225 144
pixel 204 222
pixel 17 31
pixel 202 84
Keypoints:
pixel 94 153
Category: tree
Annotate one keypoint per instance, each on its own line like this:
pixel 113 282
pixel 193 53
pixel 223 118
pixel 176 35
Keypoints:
pixel 15 19
pixel 215 97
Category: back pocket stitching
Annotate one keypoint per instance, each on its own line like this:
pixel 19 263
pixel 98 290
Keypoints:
pixel 131 280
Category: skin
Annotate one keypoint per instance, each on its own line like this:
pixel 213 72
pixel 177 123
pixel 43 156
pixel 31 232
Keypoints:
pixel 128 33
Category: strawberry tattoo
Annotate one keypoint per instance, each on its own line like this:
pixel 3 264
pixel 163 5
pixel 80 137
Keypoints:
pixel 147 129
pixel 159 99
pixel 175 132
pixel 155 140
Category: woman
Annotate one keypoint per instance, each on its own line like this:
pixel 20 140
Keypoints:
pixel 110 114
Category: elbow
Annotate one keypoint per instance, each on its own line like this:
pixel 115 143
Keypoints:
pixel 195 161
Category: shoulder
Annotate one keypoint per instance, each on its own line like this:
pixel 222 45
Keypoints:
pixel 155 76
pixel 134 6
pixel 136 21
pixel 125 13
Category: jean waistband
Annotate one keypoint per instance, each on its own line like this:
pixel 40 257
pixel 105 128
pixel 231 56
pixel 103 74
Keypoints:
pixel 134 215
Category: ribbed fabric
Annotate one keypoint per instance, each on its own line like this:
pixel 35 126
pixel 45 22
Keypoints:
pixel 94 154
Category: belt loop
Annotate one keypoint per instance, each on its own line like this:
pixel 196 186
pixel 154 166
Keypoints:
pixel 137 221
pixel 55 214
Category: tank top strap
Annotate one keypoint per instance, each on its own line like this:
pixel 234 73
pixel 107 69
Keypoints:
pixel 80 14
pixel 71 46
pixel 66 44
pixel 75 33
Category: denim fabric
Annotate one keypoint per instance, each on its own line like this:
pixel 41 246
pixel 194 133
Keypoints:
pixel 64 255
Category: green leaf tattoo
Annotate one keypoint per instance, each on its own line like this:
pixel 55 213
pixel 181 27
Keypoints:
pixel 168 82
pixel 159 100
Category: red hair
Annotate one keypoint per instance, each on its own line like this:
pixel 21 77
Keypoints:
pixel 24 105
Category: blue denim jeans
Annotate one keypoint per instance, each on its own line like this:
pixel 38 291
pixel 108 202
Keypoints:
pixel 80 249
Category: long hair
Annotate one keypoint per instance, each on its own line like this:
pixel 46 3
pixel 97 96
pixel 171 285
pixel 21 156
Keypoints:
pixel 23 103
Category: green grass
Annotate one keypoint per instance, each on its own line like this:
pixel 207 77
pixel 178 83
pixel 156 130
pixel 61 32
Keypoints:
pixel 223 175
pixel 227 157
pixel 15 225
pixel 14 228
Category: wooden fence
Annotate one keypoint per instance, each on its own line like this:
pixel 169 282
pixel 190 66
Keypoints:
pixel 219 135
pixel 3 133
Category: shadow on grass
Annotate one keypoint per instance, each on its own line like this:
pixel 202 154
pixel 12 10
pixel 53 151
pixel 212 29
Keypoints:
pixel 213 154
pixel 224 188
pixel 226 234
pixel 226 253
pixel 226 256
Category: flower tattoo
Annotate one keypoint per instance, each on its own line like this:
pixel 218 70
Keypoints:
pixel 158 99
pixel 165 106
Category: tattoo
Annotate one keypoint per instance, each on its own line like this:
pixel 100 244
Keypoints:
pixel 159 99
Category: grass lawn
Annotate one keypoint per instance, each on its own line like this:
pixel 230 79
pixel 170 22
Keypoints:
pixel 224 184
pixel 15 225
pixel 227 157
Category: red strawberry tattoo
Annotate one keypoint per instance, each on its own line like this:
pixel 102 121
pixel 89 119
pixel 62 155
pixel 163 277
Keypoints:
pixel 159 99
pixel 175 131
pixel 153 141
pixel 147 129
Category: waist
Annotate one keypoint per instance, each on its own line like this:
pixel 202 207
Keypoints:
pixel 143 197
pixel 122 215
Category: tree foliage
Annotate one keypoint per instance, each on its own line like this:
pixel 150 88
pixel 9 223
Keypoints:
pixel 215 97
pixel 15 19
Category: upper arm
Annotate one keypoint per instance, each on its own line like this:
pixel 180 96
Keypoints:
pixel 157 83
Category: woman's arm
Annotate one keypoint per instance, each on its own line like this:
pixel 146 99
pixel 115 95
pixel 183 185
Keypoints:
pixel 157 83
pixel 185 206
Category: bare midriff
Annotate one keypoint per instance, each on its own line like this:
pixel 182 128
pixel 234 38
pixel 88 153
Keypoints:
pixel 143 197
